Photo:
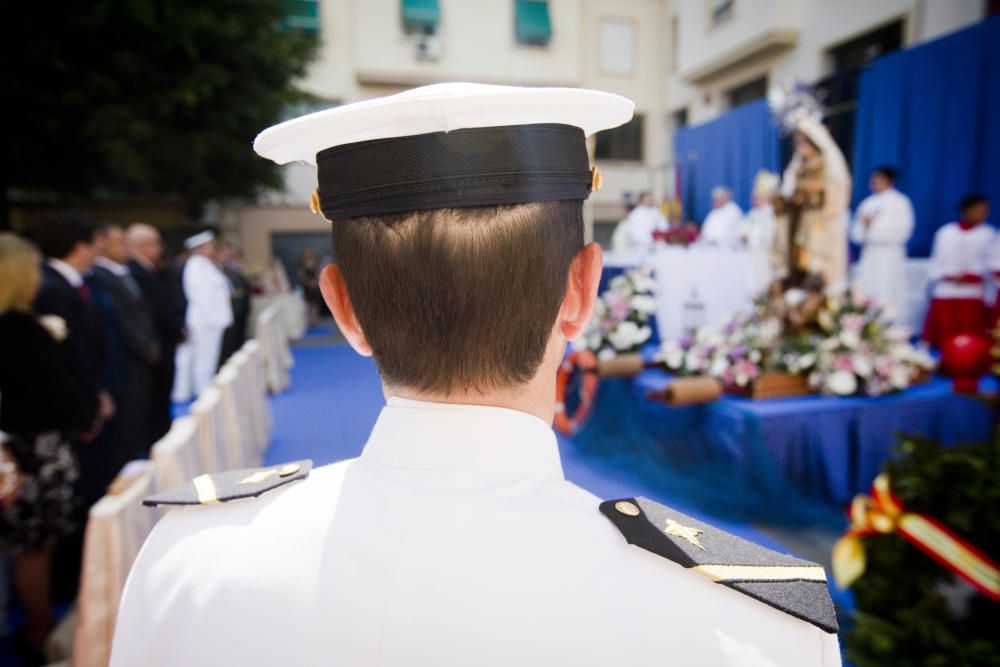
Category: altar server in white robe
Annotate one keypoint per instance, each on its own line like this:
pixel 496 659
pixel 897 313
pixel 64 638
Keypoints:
pixel 635 232
pixel 455 539
pixel 959 268
pixel 758 228
pixel 723 223
pixel 882 227
pixel 209 313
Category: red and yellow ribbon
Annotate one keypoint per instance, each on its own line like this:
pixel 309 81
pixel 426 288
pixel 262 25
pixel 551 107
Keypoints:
pixel 882 512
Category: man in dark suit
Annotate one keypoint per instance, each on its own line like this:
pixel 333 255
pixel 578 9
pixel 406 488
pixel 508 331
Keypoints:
pixel 146 250
pixel 67 241
pixel 236 334
pixel 141 343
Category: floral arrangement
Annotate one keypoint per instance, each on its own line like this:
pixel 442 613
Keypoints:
pixel 621 316
pixel 849 350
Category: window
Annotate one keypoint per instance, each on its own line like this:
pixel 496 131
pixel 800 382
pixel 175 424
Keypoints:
pixel 621 143
pixel 680 118
pixel 861 51
pixel 617 46
pixel 421 17
pixel 748 92
pixel 302 15
pixel 722 11
pixel 532 24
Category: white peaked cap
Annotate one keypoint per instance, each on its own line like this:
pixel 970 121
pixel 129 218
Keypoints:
pixel 440 107
pixel 199 240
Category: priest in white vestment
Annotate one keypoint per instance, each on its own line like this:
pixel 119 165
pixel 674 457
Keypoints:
pixel 209 313
pixel 723 223
pixel 959 267
pixel 758 228
pixel 635 232
pixel 882 226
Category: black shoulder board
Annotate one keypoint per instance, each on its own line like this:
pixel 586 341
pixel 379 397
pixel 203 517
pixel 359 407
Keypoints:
pixel 232 485
pixel 796 587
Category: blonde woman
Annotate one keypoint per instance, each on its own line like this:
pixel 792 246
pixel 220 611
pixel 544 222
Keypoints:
pixel 43 402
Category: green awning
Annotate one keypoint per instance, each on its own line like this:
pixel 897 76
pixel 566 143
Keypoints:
pixel 421 16
pixel 302 15
pixel 533 25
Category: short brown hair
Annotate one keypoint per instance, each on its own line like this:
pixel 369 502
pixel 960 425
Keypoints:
pixel 459 299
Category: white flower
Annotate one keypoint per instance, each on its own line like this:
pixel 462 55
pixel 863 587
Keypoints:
pixel 623 336
pixel 673 356
pixel 842 383
pixel 807 361
pixel 606 354
pixel 643 304
pixel 693 361
pixel 718 366
pixel 618 283
pixel 862 365
pixel 899 377
pixel 55 325
pixel 850 339
pixel 643 283
pixel 754 356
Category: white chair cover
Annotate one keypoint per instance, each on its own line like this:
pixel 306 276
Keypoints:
pixel 239 442
pixel 211 430
pixel 176 455
pixel 260 410
pixel 116 528
pixel 274 349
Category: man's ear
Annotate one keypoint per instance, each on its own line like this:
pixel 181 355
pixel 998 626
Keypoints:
pixel 331 284
pixel 581 291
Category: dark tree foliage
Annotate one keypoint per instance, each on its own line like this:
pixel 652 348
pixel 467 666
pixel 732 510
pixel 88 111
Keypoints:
pixel 146 97
pixel 910 610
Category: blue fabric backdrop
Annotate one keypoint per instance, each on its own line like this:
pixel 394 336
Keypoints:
pixel 729 151
pixel 932 112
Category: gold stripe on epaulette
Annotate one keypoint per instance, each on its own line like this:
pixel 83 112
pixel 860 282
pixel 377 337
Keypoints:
pixel 204 487
pixel 761 572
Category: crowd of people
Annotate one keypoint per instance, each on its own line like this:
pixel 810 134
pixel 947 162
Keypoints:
pixel 100 331
pixel 800 224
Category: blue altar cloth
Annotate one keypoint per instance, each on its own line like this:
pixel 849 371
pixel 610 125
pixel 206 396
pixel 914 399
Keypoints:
pixel 828 448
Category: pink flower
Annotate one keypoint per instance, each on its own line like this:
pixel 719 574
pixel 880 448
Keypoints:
pixel 853 322
pixel 843 363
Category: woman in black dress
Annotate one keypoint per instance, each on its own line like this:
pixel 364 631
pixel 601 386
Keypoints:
pixel 43 404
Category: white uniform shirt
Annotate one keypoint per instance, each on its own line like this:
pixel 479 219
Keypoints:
pixel 452 540
pixel 881 270
pixel 635 232
pixel 207 291
pixel 957 252
pixel 722 225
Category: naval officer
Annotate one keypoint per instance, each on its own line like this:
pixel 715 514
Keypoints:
pixel 454 538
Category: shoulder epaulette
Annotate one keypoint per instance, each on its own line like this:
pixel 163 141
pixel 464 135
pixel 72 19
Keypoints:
pixel 792 585
pixel 232 485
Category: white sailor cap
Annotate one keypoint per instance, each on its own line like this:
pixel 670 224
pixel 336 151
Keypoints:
pixel 449 145
pixel 199 239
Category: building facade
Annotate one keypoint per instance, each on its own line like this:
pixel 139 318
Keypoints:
pixel 681 61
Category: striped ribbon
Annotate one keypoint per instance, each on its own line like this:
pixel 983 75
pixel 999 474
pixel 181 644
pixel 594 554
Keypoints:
pixel 882 512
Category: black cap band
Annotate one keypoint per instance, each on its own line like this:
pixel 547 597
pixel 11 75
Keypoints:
pixel 486 166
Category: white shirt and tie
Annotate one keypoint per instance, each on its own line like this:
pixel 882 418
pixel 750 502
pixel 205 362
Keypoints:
pixel 722 226
pixel 453 539
pixel 881 270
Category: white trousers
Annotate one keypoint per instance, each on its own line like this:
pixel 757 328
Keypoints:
pixel 197 360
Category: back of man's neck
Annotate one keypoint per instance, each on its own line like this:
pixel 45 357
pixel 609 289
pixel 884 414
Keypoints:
pixel 527 399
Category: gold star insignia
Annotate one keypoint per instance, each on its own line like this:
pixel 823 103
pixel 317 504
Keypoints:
pixel 684 532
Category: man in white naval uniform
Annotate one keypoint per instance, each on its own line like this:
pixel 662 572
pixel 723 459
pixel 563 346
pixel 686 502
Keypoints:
pixel 454 538
pixel 209 313
pixel 722 225
pixel 882 226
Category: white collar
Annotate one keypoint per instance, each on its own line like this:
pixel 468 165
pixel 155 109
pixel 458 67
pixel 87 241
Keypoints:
pixel 71 275
pixel 114 267
pixel 463 438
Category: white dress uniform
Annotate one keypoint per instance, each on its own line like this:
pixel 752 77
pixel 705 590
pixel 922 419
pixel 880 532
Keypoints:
pixel 209 312
pixel 881 271
pixel 722 226
pixel 635 232
pixel 452 540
